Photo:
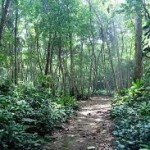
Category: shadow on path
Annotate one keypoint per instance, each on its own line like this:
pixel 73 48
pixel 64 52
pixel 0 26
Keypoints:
pixel 90 129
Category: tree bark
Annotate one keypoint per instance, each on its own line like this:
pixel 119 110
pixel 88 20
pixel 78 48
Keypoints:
pixel 3 17
pixel 112 67
pixel 16 44
pixel 48 58
pixel 138 49
pixel 72 82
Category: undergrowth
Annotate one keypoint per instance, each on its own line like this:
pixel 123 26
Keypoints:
pixel 28 114
pixel 131 112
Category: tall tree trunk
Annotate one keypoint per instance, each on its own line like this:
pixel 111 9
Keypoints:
pixel 61 70
pixel 116 47
pixel 72 82
pixel 4 13
pixel 38 51
pixel 138 49
pixel 48 58
pixel 16 44
pixel 112 67
pixel 81 69
pixel 92 44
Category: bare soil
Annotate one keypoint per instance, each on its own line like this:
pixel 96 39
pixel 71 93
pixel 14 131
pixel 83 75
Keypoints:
pixel 90 129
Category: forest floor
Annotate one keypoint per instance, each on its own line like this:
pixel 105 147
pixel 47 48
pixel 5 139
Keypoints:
pixel 89 129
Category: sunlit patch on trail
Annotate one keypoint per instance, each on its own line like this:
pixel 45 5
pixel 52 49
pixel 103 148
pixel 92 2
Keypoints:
pixel 91 127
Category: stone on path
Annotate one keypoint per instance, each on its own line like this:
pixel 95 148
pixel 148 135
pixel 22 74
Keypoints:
pixel 91 148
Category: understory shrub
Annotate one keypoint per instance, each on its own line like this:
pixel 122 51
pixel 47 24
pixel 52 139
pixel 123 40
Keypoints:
pixel 131 112
pixel 27 114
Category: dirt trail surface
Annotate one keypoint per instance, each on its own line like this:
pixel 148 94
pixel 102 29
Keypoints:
pixel 90 129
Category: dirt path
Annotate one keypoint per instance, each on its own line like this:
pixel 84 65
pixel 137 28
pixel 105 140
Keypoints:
pixel 90 129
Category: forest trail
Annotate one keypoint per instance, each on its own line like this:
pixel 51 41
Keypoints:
pixel 90 129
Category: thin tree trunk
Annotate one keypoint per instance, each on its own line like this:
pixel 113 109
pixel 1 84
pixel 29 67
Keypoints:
pixel 72 86
pixel 61 71
pixel 16 43
pixel 81 69
pixel 119 70
pixel 112 67
pixel 92 42
pixel 39 54
pixel 48 58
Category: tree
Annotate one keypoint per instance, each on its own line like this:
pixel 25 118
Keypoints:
pixel 137 11
pixel 138 49
pixel 4 12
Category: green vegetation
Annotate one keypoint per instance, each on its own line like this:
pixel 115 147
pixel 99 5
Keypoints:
pixel 53 52
pixel 131 109
pixel 27 114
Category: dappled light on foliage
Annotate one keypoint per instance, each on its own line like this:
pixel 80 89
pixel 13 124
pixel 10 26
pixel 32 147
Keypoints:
pixel 71 70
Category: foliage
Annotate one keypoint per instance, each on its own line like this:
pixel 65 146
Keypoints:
pixel 29 113
pixel 81 47
pixel 131 110
pixel 70 52
pixel 67 101
pixel 146 29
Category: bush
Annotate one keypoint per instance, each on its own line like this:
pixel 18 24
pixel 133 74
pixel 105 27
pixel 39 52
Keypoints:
pixel 28 113
pixel 67 101
pixel 131 110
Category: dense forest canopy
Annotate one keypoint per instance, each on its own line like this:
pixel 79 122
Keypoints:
pixel 71 46
pixel 55 52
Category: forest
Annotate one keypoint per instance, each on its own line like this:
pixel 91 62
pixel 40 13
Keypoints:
pixel 64 64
